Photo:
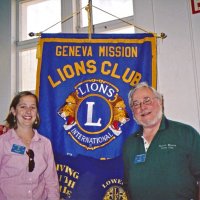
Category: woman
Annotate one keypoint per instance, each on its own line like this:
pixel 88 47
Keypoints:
pixel 27 167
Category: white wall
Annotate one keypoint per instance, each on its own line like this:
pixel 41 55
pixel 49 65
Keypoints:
pixel 178 55
pixel 7 56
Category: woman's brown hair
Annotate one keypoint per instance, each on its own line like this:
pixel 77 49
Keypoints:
pixel 10 119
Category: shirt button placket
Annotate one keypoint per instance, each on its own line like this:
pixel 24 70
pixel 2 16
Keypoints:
pixel 29 194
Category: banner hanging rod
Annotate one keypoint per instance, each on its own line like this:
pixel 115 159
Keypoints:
pixel 88 8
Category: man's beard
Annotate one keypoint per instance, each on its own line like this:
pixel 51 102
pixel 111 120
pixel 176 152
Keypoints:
pixel 150 122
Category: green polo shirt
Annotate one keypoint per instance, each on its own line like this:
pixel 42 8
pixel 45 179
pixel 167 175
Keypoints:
pixel 169 169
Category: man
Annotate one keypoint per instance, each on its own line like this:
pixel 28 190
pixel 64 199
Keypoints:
pixel 162 159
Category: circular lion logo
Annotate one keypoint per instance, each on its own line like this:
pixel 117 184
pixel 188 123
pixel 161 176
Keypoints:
pixel 115 193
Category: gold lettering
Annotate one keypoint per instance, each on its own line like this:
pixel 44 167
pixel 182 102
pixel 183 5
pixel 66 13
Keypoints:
pixel 64 190
pixel 64 51
pixel 112 181
pixel 71 51
pixel 128 79
pixel 80 67
pixel 60 178
pixel 61 75
pixel 58 51
pixel 74 51
pixel 70 183
pixel 60 167
pixel 113 74
pixel 103 66
pixel 136 79
pixel 118 51
pixel 68 71
pixel 89 53
pixel 91 66
pixel 53 84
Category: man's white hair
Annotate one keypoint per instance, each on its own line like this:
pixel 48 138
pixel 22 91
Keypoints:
pixel 141 85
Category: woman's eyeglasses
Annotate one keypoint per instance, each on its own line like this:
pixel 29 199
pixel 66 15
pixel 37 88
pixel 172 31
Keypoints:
pixel 31 163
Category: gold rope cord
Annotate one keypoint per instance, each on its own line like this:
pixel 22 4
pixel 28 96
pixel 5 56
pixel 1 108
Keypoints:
pixel 88 8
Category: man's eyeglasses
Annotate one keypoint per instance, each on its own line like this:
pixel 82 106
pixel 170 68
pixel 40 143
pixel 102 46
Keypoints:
pixel 31 163
pixel 146 101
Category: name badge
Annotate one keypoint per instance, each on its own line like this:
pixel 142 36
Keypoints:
pixel 140 158
pixel 18 149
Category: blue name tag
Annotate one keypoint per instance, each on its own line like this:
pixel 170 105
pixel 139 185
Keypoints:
pixel 140 158
pixel 18 149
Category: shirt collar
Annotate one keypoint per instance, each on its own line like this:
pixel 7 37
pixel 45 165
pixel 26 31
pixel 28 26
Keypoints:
pixel 36 136
pixel 163 125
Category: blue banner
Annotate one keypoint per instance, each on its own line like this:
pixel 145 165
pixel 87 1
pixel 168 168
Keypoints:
pixel 82 85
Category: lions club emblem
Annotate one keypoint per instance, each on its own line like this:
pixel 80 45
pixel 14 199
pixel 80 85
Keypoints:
pixel 115 192
pixel 93 113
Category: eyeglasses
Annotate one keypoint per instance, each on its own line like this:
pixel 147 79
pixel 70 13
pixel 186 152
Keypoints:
pixel 31 163
pixel 146 101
